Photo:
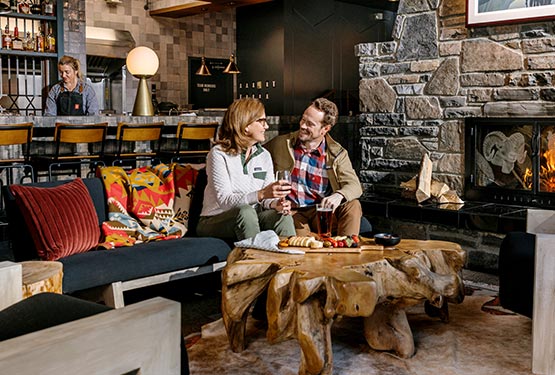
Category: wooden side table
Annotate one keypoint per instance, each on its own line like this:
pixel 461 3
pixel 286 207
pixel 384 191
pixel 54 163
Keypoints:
pixel 41 276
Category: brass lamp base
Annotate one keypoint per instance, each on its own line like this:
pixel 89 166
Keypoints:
pixel 143 101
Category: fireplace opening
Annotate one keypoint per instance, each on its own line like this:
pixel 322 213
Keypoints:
pixel 510 161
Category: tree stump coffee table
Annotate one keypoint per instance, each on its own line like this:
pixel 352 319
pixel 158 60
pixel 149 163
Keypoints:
pixel 306 292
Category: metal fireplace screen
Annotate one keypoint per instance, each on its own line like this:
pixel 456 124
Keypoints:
pixel 511 161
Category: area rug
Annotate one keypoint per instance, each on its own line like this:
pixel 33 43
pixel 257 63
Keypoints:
pixel 473 342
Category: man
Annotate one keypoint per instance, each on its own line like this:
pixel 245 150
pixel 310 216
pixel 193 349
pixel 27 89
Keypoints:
pixel 321 171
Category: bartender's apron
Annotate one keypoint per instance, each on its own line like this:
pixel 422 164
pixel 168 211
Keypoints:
pixel 70 103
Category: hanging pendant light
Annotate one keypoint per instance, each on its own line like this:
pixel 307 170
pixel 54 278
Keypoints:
pixel 203 70
pixel 231 68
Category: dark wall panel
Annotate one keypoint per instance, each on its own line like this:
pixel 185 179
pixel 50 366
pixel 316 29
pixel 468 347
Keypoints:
pixel 309 46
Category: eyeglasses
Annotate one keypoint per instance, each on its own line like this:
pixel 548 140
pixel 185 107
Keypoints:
pixel 262 121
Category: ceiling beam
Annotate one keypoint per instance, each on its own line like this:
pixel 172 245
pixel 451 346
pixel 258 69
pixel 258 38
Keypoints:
pixel 184 8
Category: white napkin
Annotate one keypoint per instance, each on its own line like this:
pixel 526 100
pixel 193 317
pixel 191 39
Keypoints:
pixel 265 240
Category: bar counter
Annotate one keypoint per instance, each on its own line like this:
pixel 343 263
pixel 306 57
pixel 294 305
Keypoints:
pixel 345 132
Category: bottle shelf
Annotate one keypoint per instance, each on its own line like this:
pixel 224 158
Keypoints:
pixel 39 17
pixel 11 52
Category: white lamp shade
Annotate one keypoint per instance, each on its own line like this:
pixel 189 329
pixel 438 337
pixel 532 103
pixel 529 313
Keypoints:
pixel 142 61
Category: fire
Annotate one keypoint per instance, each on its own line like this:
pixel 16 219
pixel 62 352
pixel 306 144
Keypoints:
pixel 547 171
pixel 527 178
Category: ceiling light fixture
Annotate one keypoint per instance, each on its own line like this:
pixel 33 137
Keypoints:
pixel 203 70
pixel 231 67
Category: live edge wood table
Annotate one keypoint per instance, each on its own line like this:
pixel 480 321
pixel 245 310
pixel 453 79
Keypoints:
pixel 306 293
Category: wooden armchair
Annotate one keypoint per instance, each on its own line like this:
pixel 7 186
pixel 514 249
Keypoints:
pixel 141 338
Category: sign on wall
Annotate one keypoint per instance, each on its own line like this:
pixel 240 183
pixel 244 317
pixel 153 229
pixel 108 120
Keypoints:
pixel 214 91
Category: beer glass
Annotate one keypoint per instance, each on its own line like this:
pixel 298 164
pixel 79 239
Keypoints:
pixel 323 219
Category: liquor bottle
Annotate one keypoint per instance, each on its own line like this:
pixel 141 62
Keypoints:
pixel 13 6
pixel 50 42
pixel 24 7
pixel 36 8
pixel 39 44
pixel 6 38
pixel 29 42
pixel 17 43
pixel 48 7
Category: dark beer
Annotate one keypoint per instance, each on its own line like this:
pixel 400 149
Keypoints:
pixel 323 219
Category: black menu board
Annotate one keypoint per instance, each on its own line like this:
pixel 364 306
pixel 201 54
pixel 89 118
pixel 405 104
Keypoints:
pixel 213 91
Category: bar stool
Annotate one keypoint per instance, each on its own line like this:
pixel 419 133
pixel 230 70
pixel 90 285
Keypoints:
pixel 15 135
pixel 130 149
pixel 194 141
pixel 65 161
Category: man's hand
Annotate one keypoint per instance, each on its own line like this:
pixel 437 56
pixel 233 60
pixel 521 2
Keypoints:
pixel 332 201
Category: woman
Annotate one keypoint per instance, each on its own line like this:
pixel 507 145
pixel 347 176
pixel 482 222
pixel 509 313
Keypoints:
pixel 72 96
pixel 241 197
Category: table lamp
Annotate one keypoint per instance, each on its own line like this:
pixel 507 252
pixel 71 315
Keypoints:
pixel 142 63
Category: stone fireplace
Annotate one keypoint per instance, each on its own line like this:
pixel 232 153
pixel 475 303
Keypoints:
pixel 418 90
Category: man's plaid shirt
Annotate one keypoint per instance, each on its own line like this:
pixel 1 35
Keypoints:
pixel 309 177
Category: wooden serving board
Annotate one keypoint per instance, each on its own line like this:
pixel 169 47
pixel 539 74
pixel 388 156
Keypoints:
pixel 309 250
pixel 371 247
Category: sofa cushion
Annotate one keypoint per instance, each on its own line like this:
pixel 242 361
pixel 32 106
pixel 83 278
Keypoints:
pixel 62 219
pixel 147 204
pixel 20 237
pixel 101 267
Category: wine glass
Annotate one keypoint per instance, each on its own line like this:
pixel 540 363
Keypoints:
pixel 283 176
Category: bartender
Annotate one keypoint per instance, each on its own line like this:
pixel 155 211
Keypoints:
pixel 71 96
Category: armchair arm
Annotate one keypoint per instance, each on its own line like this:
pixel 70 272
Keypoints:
pixel 144 336
pixel 11 280
pixel 543 337
pixel 540 221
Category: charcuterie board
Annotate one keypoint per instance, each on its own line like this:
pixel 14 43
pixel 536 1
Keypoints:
pixel 366 244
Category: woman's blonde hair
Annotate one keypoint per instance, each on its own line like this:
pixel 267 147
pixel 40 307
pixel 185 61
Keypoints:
pixel 241 113
pixel 74 63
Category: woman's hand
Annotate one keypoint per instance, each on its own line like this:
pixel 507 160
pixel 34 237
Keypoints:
pixel 278 189
pixel 283 206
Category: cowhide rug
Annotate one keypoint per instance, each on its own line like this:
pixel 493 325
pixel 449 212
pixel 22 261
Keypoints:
pixel 473 342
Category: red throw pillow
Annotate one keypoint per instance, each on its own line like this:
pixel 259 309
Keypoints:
pixel 62 219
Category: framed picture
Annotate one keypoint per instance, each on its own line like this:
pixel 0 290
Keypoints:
pixel 495 12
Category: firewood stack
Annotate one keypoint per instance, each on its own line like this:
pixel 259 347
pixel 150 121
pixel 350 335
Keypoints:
pixel 423 187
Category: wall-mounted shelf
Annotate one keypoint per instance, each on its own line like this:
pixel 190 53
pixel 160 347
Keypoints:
pixel 28 53
pixel 29 16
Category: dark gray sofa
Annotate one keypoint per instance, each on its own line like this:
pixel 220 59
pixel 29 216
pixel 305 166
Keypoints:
pixel 111 272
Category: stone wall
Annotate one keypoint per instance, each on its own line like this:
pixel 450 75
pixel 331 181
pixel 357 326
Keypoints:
pixel 417 89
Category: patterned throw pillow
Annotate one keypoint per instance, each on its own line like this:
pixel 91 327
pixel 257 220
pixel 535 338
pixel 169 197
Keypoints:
pixel 62 219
